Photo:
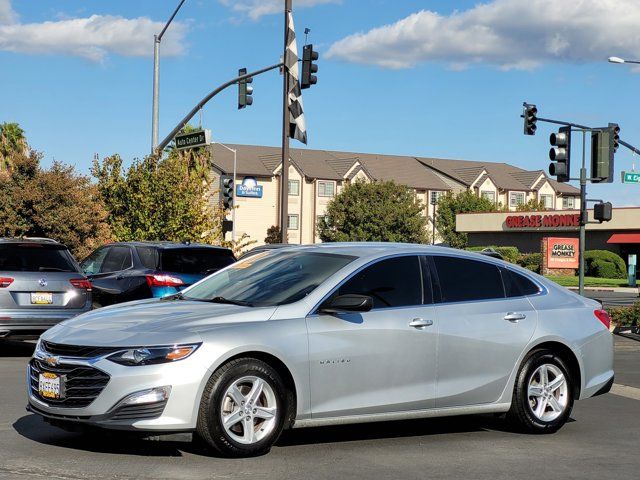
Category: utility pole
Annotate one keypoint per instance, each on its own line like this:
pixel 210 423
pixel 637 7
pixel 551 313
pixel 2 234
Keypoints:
pixel 155 115
pixel 284 175
pixel 583 215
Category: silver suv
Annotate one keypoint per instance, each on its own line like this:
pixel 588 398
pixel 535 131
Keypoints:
pixel 40 285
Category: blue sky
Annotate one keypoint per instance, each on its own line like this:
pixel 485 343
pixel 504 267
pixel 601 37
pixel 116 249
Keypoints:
pixel 444 79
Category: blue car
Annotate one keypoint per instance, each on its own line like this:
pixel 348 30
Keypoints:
pixel 125 271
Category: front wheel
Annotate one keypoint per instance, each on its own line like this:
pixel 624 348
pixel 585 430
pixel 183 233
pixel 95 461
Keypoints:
pixel 543 394
pixel 242 411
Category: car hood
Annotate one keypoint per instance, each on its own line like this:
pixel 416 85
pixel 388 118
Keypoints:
pixel 151 322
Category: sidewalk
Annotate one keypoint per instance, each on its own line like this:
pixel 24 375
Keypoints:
pixel 630 290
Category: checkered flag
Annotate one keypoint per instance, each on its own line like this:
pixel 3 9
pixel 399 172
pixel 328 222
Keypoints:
pixel 297 126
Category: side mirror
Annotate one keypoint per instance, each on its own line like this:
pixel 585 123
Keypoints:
pixel 347 303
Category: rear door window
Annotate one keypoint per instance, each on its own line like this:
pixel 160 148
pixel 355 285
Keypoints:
pixel 200 261
pixel 394 282
pixel 517 285
pixel 463 280
pixel 149 257
pixel 118 258
pixel 36 257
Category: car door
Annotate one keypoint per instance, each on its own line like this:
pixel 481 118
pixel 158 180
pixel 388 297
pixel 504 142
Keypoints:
pixel 108 274
pixel 379 361
pixel 482 332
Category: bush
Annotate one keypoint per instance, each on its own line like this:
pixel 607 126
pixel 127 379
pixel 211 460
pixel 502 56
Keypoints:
pixel 625 316
pixel 510 254
pixel 604 264
pixel 531 261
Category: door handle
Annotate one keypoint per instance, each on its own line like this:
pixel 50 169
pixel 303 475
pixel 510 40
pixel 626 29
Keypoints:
pixel 514 317
pixel 120 277
pixel 420 323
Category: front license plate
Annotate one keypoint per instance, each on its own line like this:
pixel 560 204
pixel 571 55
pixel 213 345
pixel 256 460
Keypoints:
pixel 49 385
pixel 42 298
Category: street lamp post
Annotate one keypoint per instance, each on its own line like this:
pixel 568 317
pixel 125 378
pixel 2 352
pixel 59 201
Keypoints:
pixel 233 209
pixel 155 115
pixel 622 60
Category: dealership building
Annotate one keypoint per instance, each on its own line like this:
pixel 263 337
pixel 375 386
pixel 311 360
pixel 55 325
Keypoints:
pixel 316 176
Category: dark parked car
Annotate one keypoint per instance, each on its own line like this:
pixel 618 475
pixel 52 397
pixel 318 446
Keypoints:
pixel 120 272
pixel 40 285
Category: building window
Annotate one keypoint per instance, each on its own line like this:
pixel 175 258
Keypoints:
pixel 292 222
pixel 516 198
pixel 435 196
pixel 547 201
pixel 489 195
pixel 568 202
pixel 326 189
pixel 294 187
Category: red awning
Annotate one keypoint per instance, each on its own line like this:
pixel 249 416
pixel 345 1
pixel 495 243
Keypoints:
pixel 625 238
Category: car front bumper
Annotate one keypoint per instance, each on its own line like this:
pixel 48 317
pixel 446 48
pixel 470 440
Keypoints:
pixel 185 379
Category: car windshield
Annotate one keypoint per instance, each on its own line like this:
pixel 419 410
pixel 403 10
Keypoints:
pixel 269 278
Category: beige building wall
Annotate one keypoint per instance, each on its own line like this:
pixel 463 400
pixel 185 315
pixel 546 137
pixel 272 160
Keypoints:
pixel 254 216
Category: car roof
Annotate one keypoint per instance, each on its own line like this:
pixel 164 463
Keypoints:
pixel 34 240
pixel 169 245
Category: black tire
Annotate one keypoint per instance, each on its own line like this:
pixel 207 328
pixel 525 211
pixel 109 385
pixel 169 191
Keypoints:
pixel 209 426
pixel 521 415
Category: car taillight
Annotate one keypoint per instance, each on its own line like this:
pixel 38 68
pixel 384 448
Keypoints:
pixel 5 282
pixel 81 283
pixel 163 280
pixel 603 316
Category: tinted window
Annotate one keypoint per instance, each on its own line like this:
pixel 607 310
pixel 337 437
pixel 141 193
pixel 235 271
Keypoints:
pixel 117 259
pixel 463 280
pixel 516 285
pixel 148 257
pixel 270 278
pixel 35 258
pixel 195 260
pixel 91 265
pixel 395 282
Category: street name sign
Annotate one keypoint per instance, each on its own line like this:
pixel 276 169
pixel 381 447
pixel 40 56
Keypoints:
pixel 630 177
pixel 195 139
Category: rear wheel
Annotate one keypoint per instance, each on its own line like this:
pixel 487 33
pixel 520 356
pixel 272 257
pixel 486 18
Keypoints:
pixel 543 394
pixel 242 411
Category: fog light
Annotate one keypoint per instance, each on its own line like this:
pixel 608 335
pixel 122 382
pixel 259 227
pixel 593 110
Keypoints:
pixel 152 395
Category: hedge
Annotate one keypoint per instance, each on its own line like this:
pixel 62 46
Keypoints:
pixel 531 261
pixel 625 316
pixel 604 264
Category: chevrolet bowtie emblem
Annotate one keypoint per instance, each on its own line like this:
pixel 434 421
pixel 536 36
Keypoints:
pixel 52 361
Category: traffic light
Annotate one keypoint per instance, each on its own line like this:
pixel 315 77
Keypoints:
pixel 560 154
pixel 530 114
pixel 604 144
pixel 227 192
pixel 244 90
pixel 308 67
pixel 602 211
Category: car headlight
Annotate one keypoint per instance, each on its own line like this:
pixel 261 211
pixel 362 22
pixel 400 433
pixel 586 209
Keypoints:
pixel 153 355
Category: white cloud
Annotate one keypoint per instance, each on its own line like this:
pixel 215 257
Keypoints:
pixel 7 15
pixel 92 38
pixel 508 34
pixel 255 9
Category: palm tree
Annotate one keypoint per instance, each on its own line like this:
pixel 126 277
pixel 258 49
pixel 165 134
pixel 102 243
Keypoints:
pixel 12 141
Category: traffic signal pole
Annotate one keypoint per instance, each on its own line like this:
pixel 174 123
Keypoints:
pixel 583 215
pixel 284 174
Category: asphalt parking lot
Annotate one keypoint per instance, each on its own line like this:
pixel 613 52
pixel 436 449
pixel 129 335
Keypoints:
pixel 600 442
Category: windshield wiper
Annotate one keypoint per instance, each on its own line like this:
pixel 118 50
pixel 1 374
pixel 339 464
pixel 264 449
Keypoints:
pixel 224 300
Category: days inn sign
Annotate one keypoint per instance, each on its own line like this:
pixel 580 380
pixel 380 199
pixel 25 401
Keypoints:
pixel 514 222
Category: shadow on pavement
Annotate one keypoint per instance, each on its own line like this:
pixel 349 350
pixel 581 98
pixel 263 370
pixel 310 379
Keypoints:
pixel 123 443
pixel 12 348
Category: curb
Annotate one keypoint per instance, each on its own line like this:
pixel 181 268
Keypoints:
pixel 609 289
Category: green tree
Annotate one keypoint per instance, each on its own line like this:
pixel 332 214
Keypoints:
pixel 449 206
pixel 12 141
pixel 376 211
pixel 274 235
pixel 533 205
pixel 160 199
pixel 57 203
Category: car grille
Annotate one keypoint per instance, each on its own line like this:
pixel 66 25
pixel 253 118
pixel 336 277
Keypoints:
pixel 82 384
pixel 77 351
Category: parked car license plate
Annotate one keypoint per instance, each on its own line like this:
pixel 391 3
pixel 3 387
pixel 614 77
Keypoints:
pixel 41 298
pixel 49 385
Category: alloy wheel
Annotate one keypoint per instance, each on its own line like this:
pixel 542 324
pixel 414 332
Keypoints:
pixel 548 392
pixel 249 410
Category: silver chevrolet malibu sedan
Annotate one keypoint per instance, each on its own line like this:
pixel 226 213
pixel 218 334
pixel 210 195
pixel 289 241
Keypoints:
pixel 328 334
